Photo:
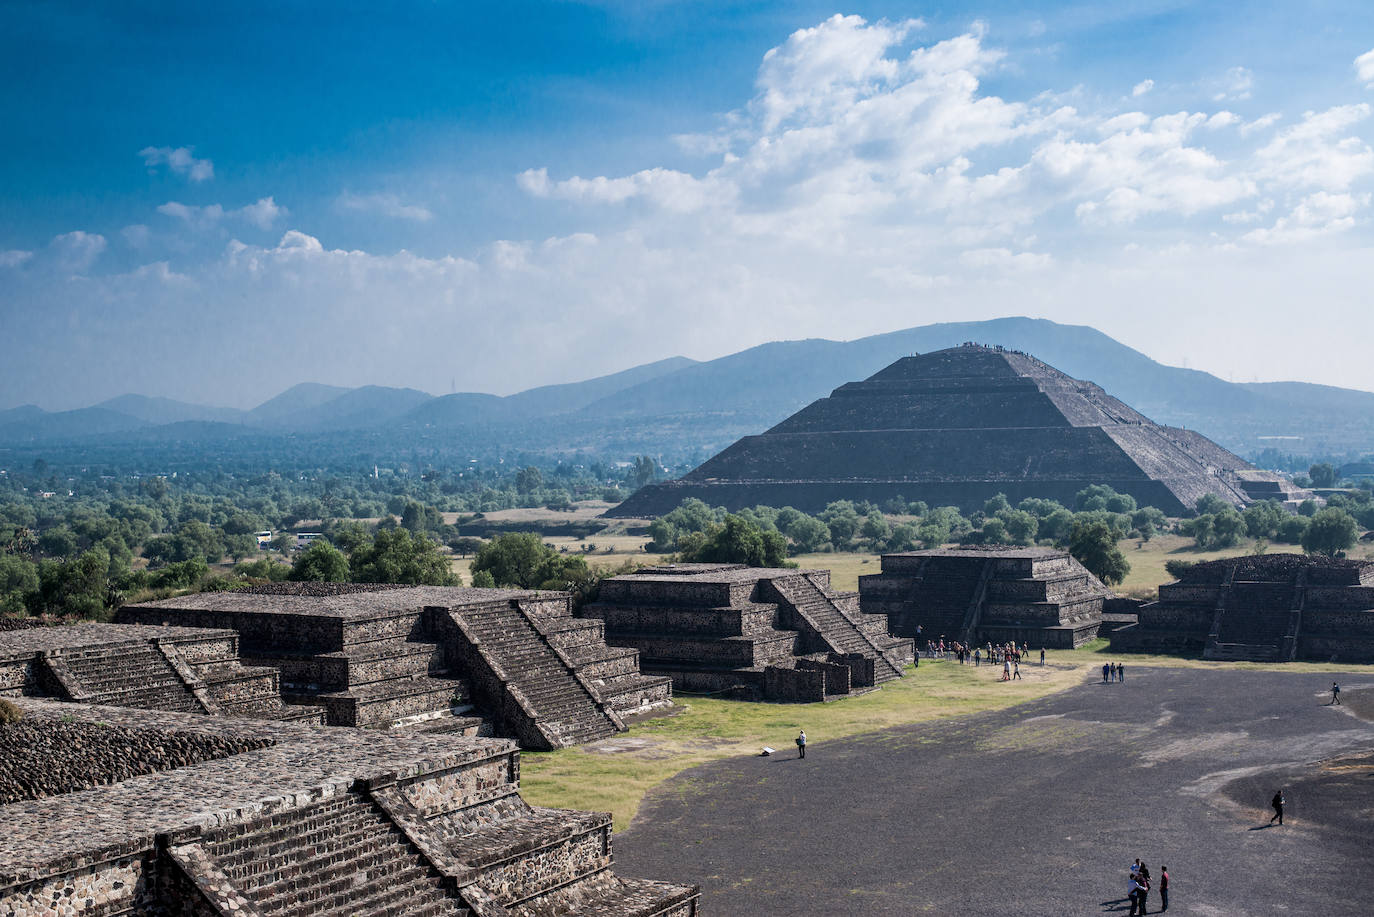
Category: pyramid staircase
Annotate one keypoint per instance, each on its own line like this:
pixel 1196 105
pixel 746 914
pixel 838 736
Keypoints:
pixel 538 692
pixel 816 613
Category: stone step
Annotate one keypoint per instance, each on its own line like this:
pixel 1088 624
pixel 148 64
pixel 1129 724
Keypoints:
pixel 611 896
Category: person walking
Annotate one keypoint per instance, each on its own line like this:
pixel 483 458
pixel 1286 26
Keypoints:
pixel 1277 803
pixel 1016 671
pixel 1106 671
pixel 1042 657
pixel 1120 672
pixel 1006 669
pixel 1163 889
pixel 1335 694
pixel 801 744
pixel 977 657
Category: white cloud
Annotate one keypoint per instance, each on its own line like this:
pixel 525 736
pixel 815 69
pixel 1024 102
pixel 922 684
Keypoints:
pixel 75 252
pixel 136 235
pixel 14 257
pixel 179 160
pixel 1364 68
pixel 1320 151
pixel 261 214
pixel 1317 214
pixel 1142 87
pixel 388 205
pixel 1264 122
pixel 1237 84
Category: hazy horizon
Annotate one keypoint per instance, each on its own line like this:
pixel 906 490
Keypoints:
pixel 213 208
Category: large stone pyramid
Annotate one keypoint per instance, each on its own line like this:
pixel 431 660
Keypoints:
pixel 955 427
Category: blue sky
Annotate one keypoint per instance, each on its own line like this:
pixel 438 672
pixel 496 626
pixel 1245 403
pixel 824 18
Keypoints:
pixel 213 202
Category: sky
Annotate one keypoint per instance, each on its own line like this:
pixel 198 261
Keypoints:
pixel 213 202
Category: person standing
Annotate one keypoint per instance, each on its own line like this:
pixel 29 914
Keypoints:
pixel 1106 671
pixel 1278 802
pixel 1006 669
pixel 1163 889
pixel 977 657
pixel 1143 883
pixel 1120 672
pixel 1335 694
pixel 1133 893
pixel 1042 657
pixel 801 744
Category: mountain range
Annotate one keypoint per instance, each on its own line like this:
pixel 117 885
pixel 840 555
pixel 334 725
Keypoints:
pixel 689 409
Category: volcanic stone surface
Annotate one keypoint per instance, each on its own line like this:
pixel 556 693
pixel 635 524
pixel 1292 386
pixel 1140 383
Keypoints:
pixel 45 756
pixel 955 427
pixel 1039 809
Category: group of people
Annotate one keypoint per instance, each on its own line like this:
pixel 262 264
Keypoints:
pixel 1139 887
pixel 1113 671
pixel 1008 654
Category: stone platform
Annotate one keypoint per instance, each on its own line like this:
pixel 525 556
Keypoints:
pixel 780 634
pixel 312 821
pixel 439 659
pixel 1038 596
pixel 190 669
pixel 1265 608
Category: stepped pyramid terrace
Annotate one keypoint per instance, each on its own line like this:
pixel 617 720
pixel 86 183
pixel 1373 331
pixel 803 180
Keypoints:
pixel 955 427
pixel 428 658
pixel 1266 608
pixel 255 818
pixel 1039 596
pixel 751 631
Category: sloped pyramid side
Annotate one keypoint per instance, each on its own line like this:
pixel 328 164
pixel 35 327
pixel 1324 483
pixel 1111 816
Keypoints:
pixel 955 427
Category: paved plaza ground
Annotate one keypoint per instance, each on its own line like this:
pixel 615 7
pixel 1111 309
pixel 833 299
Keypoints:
pixel 1040 809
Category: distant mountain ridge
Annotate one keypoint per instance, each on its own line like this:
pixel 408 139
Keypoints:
pixel 684 407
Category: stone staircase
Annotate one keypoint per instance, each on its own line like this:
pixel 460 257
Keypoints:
pixel 130 675
pixel 968 628
pixel 612 672
pixel 341 857
pixel 819 614
pixel 540 694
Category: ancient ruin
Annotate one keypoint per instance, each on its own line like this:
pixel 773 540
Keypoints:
pixel 754 632
pixel 1265 608
pixel 1039 596
pixel 254 818
pixel 956 427
pixel 196 670
pixel 437 659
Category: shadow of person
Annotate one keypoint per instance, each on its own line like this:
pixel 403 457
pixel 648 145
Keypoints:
pixel 1262 827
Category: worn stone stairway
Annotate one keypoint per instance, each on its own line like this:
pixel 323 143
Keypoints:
pixel 341 857
pixel 134 675
pixel 818 613
pixel 539 694
pixel 612 672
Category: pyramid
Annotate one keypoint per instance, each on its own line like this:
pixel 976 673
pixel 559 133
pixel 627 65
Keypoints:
pixel 955 427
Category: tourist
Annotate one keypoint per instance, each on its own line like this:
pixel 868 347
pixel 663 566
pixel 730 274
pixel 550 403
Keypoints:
pixel 1042 657
pixel 1133 893
pixel 801 744
pixel 1277 803
pixel 977 658
pixel 1335 694
pixel 1163 889
pixel 1143 881
pixel 1120 672
pixel 1006 669
pixel 1106 671
pixel 1016 671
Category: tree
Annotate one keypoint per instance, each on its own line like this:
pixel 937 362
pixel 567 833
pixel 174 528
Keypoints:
pixel 1148 521
pixel 1331 532
pixel 1210 504
pixel 1093 544
pixel 808 534
pixel 528 479
pixel 1323 474
pixel 283 542
pixel 875 529
pixel 843 520
pixel 396 556
pixel 643 472
pixel 1263 518
pixel 1021 526
pixel 736 541
pixel 320 563
pixel 522 559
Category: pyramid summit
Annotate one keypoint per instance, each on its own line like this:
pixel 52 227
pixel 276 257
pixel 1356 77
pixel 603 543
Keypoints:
pixel 955 427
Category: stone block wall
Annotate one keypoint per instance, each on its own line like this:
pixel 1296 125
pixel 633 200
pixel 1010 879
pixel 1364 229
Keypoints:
pixel 796 685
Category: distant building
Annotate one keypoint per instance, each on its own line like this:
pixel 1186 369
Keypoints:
pixel 303 539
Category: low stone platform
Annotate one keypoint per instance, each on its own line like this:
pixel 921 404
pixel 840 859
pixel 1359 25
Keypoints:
pixel 315 821
pixel 780 634
pixel 1038 596
pixel 1266 608
pixel 441 659
pixel 190 669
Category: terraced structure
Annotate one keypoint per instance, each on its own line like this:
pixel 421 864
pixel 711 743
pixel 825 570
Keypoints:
pixel 307 821
pixel 955 427
pixel 436 659
pixel 780 634
pixel 1039 596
